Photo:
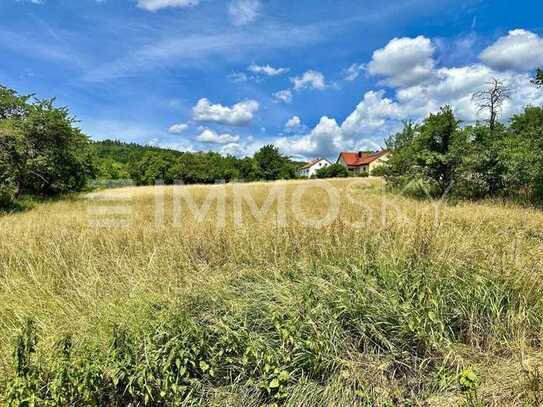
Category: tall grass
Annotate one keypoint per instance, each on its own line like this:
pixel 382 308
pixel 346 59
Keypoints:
pixel 394 302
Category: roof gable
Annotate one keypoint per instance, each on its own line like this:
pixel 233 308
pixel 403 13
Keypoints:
pixel 356 159
pixel 312 163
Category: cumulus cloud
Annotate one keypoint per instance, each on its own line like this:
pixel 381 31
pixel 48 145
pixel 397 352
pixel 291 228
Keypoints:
pixel 267 70
pixel 243 11
pixel 283 96
pixel 310 80
pixel 239 114
pixel 371 115
pixel 178 128
pixel 212 137
pixel 377 116
pixel 234 149
pixel 154 5
pixel 520 50
pixel 324 138
pixel 293 122
pixel 404 61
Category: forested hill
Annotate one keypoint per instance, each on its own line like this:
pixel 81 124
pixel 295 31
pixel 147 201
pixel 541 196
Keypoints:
pixel 146 164
pixel 123 152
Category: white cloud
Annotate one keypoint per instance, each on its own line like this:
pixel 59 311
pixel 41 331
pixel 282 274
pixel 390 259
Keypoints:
pixel 520 50
pixel 404 61
pixel 178 128
pixel 310 79
pixel 238 115
pixel 237 77
pixel 267 70
pixel 378 116
pixel 371 115
pixel 324 139
pixel 283 96
pixel 293 122
pixel 353 72
pixel 243 11
pixel 234 149
pixel 212 137
pixel 154 5
pixel 419 88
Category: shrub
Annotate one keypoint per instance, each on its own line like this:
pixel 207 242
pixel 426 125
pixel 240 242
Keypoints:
pixel 333 171
pixel 378 171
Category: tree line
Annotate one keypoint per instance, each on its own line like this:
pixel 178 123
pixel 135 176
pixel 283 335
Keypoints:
pixel 488 159
pixel 144 165
pixel 44 153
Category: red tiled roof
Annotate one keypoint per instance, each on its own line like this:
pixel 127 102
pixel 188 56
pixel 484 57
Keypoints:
pixel 357 159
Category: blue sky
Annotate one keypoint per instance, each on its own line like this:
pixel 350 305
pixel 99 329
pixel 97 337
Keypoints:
pixel 314 77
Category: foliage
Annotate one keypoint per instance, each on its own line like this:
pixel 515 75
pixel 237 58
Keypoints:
pixel 473 162
pixel 333 171
pixel 521 151
pixel 12 105
pixel 42 151
pixel 469 384
pixel 429 152
pixel 538 78
pixel 272 165
pixel 11 157
pixel 378 171
pixel 147 164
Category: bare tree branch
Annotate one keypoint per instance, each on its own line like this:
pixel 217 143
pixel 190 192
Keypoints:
pixel 491 99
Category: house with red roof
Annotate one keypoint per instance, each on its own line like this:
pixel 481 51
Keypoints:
pixel 310 169
pixel 362 162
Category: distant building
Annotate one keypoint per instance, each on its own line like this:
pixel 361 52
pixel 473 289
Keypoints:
pixel 311 168
pixel 362 162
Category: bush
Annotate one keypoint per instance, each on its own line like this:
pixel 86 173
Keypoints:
pixel 333 171
pixel 7 196
pixel 378 171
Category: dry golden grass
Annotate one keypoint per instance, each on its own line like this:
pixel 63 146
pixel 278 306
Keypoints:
pixel 58 268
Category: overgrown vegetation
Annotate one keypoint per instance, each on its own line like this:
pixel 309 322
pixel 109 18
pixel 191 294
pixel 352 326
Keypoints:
pixel 393 302
pixel 333 171
pixel 439 156
pixel 417 310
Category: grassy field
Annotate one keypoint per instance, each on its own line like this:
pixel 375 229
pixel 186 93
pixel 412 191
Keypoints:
pixel 390 302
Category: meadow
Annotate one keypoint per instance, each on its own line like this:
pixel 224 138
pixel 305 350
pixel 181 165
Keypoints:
pixel 340 293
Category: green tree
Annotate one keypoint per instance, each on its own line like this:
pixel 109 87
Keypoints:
pixel 333 171
pixel 436 148
pixel 481 171
pixel 59 158
pixel 522 154
pixel 430 152
pixel 538 79
pixel 271 163
pixel 12 105
pixel 153 167
pixel 42 151
pixel 12 150
pixel 399 169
